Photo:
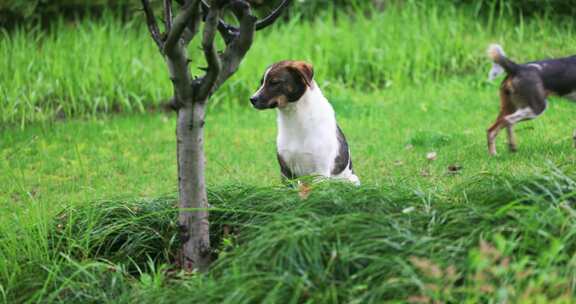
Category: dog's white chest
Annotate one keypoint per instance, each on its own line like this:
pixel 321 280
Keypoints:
pixel 302 164
pixel 308 154
pixel 307 135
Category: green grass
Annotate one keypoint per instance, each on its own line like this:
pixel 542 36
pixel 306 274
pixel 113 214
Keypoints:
pixel 86 204
pixel 97 166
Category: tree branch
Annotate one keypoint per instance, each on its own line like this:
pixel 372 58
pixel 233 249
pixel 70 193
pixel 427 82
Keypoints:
pixel 193 26
pixel 237 49
pixel 151 22
pixel 229 31
pixel 180 23
pixel 211 54
pixel 168 15
pixel 270 19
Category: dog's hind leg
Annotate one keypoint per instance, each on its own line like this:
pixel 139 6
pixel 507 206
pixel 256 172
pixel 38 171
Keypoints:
pixel 528 97
pixel 506 107
pixel 520 115
pixel 508 121
pixel 516 117
pixel 493 132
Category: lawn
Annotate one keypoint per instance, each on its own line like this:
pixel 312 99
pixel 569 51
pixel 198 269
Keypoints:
pixel 86 202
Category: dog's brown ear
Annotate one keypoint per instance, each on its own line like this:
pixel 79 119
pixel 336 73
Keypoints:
pixel 305 71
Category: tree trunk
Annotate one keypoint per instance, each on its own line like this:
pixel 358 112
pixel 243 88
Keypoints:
pixel 193 219
pixel 193 216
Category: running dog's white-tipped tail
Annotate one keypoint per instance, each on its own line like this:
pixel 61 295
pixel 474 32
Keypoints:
pixel 501 63
pixel 496 52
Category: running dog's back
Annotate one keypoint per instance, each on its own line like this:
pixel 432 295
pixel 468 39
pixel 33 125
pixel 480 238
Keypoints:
pixel 558 76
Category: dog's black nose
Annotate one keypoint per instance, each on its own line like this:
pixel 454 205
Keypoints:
pixel 253 100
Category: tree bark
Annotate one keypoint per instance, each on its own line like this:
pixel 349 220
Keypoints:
pixel 193 218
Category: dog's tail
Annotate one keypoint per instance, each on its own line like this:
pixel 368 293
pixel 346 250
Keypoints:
pixel 501 62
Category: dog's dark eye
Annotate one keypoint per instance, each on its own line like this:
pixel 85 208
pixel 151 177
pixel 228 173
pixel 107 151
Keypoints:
pixel 275 82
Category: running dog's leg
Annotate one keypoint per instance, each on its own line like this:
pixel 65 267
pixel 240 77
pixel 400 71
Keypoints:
pixel 493 132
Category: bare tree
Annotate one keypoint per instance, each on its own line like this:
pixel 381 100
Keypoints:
pixel 191 95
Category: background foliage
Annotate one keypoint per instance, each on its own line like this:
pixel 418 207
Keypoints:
pixel 21 11
pixel 18 11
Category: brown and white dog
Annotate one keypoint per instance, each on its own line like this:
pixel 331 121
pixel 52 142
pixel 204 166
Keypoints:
pixel 309 141
pixel 524 91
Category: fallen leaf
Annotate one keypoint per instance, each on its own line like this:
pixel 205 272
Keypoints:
pixel 425 173
pixel 304 191
pixel 454 168
pixel 408 210
pixel 431 156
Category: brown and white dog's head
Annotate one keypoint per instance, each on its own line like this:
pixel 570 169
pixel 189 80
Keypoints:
pixel 284 82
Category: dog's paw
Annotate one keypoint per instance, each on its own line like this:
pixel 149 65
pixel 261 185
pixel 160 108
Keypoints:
pixel 492 151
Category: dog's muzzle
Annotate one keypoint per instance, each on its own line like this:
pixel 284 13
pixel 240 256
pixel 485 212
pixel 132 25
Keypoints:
pixel 253 100
pixel 257 103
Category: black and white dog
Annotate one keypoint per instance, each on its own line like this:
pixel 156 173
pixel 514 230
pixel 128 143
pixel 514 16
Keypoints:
pixel 524 91
pixel 309 140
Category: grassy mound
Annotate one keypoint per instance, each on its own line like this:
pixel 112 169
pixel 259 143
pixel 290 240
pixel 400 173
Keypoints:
pixel 490 238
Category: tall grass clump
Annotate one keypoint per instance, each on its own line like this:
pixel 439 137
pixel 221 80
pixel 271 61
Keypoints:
pixel 105 65
pixel 502 239
pixel 78 68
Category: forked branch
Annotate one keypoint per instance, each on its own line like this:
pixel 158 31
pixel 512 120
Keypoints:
pixel 228 31
pixel 238 42
pixel 180 30
pixel 239 46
